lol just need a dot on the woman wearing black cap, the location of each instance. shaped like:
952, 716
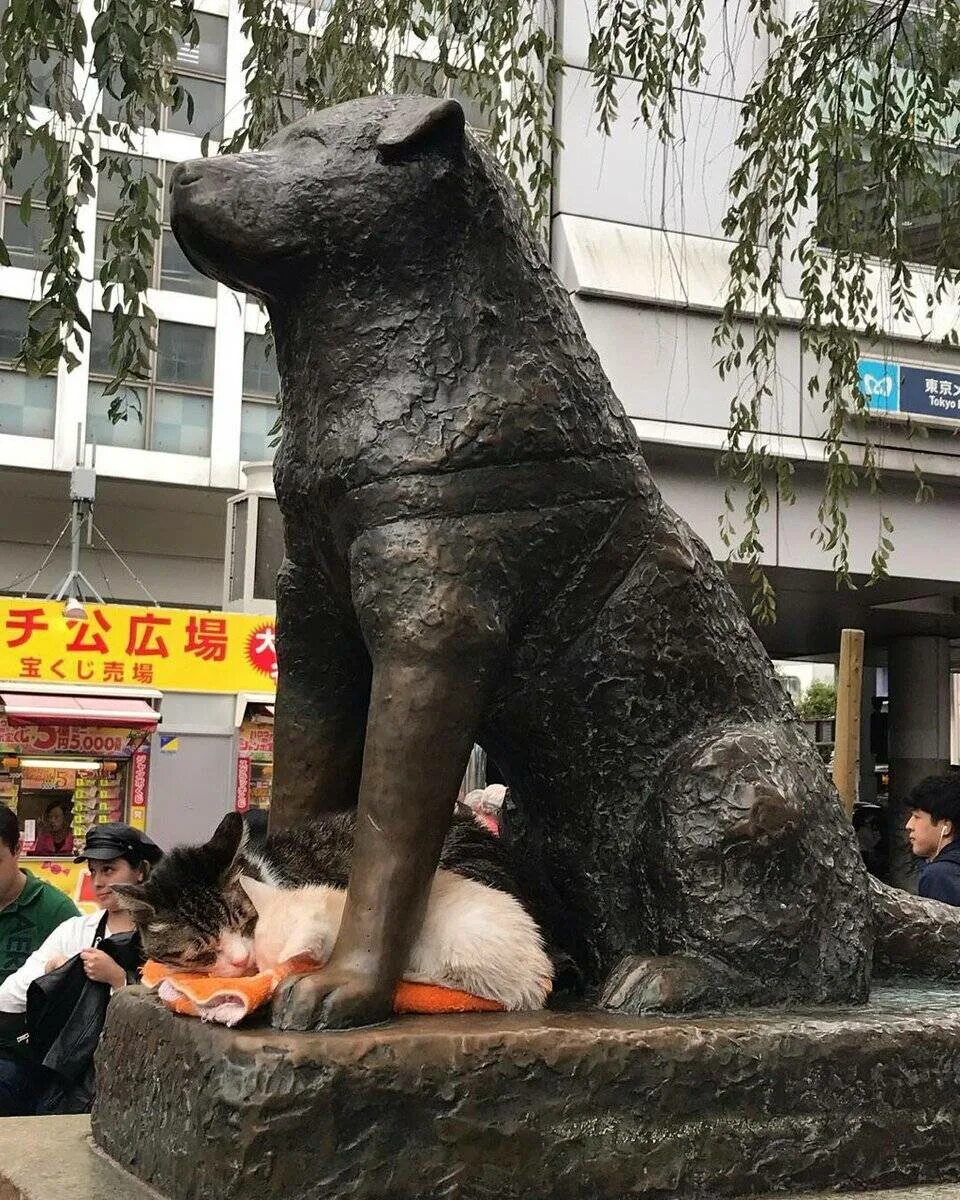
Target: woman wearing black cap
114, 853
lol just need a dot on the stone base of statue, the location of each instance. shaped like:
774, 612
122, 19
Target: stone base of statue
551, 1106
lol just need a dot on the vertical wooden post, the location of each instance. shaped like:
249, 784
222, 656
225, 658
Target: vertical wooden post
846, 752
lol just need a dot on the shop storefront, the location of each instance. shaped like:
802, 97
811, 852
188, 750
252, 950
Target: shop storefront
78, 742
254, 752
68, 763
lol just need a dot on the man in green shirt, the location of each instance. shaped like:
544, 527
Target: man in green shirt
30, 909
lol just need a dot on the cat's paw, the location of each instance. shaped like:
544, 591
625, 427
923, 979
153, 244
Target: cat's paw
331, 1000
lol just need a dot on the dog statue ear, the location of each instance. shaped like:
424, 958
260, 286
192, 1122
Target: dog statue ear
423, 126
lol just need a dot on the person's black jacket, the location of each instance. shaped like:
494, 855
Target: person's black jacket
940, 878
65, 1016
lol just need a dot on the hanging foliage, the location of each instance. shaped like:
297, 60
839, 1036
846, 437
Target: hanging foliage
844, 177
498, 58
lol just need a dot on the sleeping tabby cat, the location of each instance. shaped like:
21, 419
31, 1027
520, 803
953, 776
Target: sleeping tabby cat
193, 914
473, 938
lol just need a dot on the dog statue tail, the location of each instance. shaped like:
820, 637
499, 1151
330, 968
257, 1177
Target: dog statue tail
912, 936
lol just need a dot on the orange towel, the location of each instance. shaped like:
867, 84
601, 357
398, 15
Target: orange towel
228, 1001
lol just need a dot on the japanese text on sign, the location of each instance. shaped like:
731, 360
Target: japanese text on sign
167, 648
68, 739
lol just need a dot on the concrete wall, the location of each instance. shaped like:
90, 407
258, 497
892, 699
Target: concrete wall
923, 533
661, 363
637, 240
171, 538
193, 786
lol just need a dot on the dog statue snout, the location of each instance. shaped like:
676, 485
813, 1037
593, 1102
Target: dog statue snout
186, 173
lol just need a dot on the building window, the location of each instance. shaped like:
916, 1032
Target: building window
176, 273
202, 73
427, 78
925, 210
24, 237
27, 406
202, 69
170, 269
917, 40
258, 409
291, 98
928, 210
47, 72
302, 91
171, 410
864, 209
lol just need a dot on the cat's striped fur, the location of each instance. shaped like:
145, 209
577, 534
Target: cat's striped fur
193, 915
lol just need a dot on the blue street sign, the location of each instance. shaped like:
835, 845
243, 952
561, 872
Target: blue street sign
890, 387
927, 392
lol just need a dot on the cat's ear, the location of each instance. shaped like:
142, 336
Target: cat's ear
258, 892
228, 842
133, 900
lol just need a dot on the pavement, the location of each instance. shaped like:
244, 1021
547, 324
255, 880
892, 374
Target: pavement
52, 1158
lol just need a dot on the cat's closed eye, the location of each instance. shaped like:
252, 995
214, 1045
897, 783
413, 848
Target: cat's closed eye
201, 958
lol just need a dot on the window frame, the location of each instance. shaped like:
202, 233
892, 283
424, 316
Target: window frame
900, 205
11, 197
916, 10
913, 11
161, 168
258, 399
7, 368
184, 74
152, 388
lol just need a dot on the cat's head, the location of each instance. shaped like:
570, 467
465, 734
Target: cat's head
293, 922
192, 913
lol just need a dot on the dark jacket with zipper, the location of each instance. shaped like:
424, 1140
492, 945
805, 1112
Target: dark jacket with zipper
940, 878
65, 1016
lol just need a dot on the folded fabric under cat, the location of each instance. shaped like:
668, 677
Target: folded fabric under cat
229, 1001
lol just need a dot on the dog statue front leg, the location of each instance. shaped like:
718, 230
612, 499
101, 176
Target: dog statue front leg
322, 700
420, 729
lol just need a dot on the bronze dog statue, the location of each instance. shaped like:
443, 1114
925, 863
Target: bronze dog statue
476, 551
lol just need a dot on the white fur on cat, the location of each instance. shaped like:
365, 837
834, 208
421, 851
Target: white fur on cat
474, 938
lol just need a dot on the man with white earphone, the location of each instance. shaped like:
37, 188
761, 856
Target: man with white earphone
933, 830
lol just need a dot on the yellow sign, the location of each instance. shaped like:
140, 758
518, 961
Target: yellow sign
71, 878
173, 649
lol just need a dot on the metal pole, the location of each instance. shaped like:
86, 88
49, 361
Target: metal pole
70, 582
75, 522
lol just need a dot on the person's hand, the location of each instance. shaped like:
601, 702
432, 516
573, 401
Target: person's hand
57, 961
101, 968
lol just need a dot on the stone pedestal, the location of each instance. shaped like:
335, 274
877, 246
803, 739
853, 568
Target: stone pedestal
546, 1106
52, 1158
